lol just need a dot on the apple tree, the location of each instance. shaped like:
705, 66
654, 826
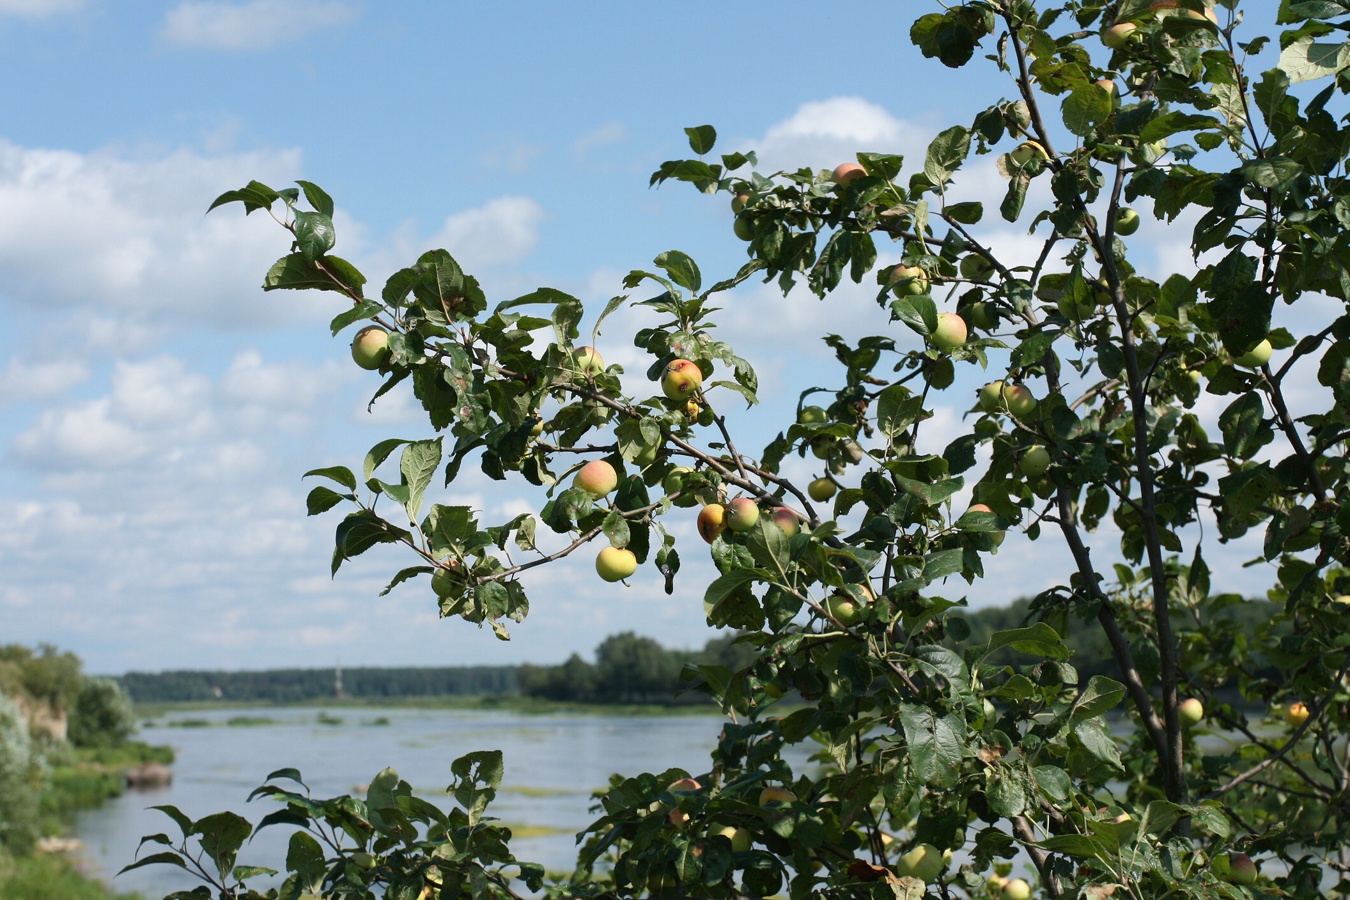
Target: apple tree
1172, 414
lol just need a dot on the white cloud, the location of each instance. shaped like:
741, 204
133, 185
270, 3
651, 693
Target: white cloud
500, 231
252, 25
824, 133
39, 9
612, 132
25, 381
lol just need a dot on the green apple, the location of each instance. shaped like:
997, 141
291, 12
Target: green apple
991, 396
588, 361
1296, 713
821, 489
1127, 221
712, 521
370, 347
738, 202
843, 608
771, 795
681, 380
984, 315
646, 455
1035, 460
1191, 711
1026, 151
742, 514
1016, 889
820, 446
675, 482
744, 228
1119, 35
445, 581
1236, 868
908, 280
924, 862
596, 478
976, 267
845, 174
739, 837
950, 333
812, 415
1256, 357
615, 563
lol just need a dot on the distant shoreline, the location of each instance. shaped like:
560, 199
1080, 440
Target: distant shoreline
516, 704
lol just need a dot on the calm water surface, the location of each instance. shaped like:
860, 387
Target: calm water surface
553, 763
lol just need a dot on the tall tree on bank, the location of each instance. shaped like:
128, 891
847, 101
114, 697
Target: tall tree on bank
1094, 416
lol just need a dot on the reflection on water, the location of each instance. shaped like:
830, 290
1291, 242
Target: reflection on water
553, 763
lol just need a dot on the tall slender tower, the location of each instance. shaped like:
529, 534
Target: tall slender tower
337, 681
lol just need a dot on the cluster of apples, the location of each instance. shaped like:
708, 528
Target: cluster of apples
1123, 34
1010, 888
741, 515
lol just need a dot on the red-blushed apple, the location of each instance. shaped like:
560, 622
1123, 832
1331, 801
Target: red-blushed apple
1127, 221
1296, 713
684, 786
910, 280
1019, 400
845, 174
951, 331
1026, 151
1016, 889
991, 397
742, 514
615, 563
739, 837
1256, 357
738, 202
370, 347
1236, 868
712, 521
984, 508
1119, 35
1035, 460
924, 862
773, 794
821, 489
1191, 711
681, 380
588, 361
786, 520
596, 478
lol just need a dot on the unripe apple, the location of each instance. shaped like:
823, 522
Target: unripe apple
1016, 889
675, 481
984, 508
588, 361
845, 173
908, 280
786, 520
370, 347
445, 581
1026, 151
596, 478
984, 315
1296, 714
738, 202
843, 608
1343, 599
1035, 460
712, 521
821, 489
1127, 221
646, 456
681, 379
812, 415
1019, 400
739, 837
615, 563
742, 514
1118, 36
996, 882
924, 862
1256, 357
744, 228
820, 446
991, 396
1191, 711
950, 333
976, 267
1238, 868
772, 795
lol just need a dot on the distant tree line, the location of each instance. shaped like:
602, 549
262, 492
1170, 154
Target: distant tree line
304, 685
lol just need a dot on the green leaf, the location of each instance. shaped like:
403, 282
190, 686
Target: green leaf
1011, 207
341, 474
701, 138
1100, 695
946, 153
322, 499
1085, 109
363, 310
1307, 59
935, 744
254, 195
478, 775
1037, 640
1244, 427
314, 234
681, 268
221, 836
296, 273
1173, 122
1005, 792
317, 197
379, 453
419, 462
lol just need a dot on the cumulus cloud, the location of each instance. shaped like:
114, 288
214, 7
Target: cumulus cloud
253, 25
25, 381
823, 133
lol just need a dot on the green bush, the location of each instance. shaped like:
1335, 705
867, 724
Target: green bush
21, 777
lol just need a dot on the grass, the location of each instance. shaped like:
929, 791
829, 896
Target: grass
84, 777
46, 875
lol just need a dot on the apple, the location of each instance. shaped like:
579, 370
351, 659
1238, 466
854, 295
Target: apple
1237, 868
984, 508
597, 478
1107, 85
821, 489
1019, 400
681, 379
820, 446
1296, 714
996, 882
739, 837
771, 795
1035, 460
1016, 889
674, 482
445, 581
991, 397
845, 173
1026, 151
738, 202
742, 514
646, 456
976, 267
1118, 36
712, 521
786, 520
950, 333
911, 280
588, 361
370, 347
1191, 710
1127, 221
684, 786
984, 315
812, 415
924, 862
615, 563
843, 609
744, 228
1256, 357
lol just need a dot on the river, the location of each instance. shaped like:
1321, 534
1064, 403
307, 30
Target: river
553, 763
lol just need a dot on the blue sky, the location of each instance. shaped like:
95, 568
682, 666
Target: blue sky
157, 409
